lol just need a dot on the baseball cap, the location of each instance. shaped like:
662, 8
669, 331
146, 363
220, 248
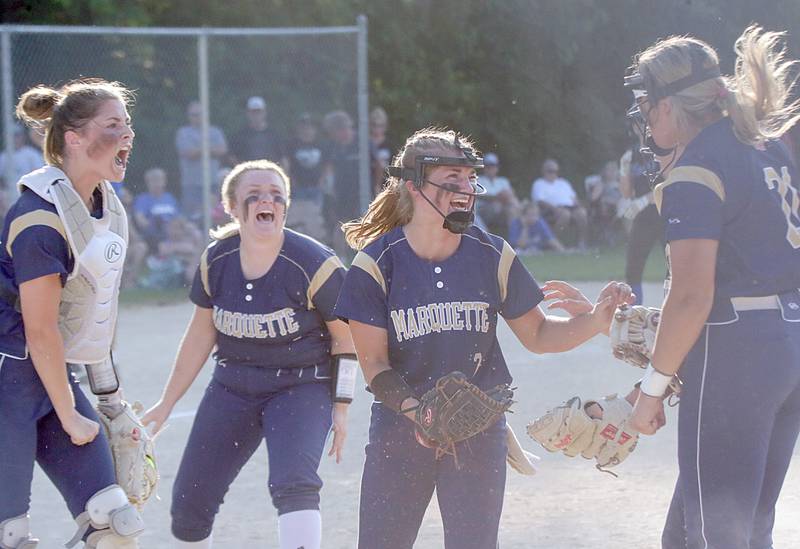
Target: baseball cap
256, 103
490, 159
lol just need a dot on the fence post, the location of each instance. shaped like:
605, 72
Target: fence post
8, 111
365, 180
202, 64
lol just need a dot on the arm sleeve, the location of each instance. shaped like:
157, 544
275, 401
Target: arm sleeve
325, 298
198, 293
691, 210
535, 193
39, 251
523, 292
362, 299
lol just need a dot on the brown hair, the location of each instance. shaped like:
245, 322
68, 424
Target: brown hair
756, 97
67, 108
231, 182
393, 207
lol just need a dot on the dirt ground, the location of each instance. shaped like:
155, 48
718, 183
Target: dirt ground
567, 505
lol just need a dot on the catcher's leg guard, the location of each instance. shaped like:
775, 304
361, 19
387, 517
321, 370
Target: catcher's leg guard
116, 521
15, 534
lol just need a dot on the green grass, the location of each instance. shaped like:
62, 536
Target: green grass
595, 266
135, 297
591, 267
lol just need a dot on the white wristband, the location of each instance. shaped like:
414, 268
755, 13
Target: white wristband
654, 383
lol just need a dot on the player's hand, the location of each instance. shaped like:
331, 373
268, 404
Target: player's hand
339, 429
648, 414
611, 296
567, 298
155, 417
81, 430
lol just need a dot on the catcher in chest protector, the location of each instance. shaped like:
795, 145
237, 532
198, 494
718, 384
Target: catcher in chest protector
64, 244
422, 299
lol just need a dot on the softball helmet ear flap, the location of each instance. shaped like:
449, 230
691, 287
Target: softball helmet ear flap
405, 174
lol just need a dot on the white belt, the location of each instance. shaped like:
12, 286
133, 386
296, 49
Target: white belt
756, 303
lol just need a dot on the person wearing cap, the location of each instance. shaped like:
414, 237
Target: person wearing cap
308, 159
257, 141
499, 205
24, 159
189, 143
730, 322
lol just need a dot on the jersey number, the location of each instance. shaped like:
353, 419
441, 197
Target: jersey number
790, 201
477, 358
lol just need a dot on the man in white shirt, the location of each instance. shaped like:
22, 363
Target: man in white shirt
558, 202
499, 205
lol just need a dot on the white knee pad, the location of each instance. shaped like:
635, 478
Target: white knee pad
116, 521
15, 534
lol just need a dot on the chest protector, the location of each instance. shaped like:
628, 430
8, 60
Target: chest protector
89, 300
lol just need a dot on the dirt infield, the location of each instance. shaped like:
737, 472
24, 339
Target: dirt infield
568, 505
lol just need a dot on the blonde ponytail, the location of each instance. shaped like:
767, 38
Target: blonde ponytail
760, 88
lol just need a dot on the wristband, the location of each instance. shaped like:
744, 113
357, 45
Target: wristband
345, 372
391, 389
654, 383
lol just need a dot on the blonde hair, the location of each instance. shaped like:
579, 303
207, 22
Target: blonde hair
756, 97
67, 108
393, 206
231, 182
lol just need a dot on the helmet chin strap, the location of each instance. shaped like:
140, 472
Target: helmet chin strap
457, 222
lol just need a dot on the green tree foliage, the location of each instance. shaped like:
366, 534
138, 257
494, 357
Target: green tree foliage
528, 79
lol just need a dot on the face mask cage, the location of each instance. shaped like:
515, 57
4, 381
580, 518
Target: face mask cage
455, 222
643, 89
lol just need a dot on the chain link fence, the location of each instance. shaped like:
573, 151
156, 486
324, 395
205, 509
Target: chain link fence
296, 71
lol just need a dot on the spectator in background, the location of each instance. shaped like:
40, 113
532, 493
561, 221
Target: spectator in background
25, 159
604, 196
558, 202
499, 205
184, 242
154, 208
219, 216
342, 203
36, 139
529, 234
188, 142
257, 140
137, 248
380, 153
307, 160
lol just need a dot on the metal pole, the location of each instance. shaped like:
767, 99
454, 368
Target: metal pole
365, 181
202, 62
8, 113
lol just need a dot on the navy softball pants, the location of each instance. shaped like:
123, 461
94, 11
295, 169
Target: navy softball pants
243, 405
400, 476
31, 433
738, 423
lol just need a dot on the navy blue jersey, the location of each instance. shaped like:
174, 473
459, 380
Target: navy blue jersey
440, 316
744, 197
34, 244
278, 320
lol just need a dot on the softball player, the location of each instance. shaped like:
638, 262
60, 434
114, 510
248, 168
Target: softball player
64, 244
264, 296
422, 299
731, 318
